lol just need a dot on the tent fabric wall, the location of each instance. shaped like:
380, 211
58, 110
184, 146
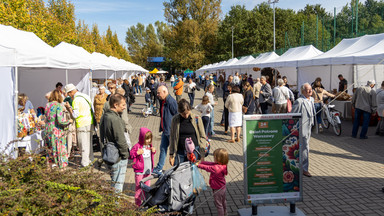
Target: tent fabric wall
7, 110
327, 73
363, 73
291, 74
37, 82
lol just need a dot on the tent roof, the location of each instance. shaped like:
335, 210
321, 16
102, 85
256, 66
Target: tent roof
228, 63
216, 66
291, 57
242, 61
264, 57
367, 49
25, 49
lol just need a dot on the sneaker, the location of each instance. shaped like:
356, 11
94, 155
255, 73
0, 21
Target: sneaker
158, 172
320, 128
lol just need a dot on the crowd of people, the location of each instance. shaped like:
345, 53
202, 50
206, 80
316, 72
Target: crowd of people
72, 117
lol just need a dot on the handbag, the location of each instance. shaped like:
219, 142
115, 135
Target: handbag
110, 151
289, 106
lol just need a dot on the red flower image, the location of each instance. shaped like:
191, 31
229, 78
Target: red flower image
293, 151
288, 177
291, 122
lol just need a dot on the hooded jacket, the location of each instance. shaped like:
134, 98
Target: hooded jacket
218, 173
179, 88
138, 160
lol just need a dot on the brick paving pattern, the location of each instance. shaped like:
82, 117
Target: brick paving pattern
348, 173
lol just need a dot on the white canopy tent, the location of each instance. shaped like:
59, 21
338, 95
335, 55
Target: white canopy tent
357, 59
225, 67
287, 63
247, 66
30, 66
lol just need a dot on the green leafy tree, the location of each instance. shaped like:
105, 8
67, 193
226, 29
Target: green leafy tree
193, 31
144, 41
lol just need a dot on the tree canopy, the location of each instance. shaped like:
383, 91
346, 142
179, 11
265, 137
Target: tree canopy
55, 22
195, 35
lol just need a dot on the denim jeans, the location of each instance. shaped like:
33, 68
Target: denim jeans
318, 114
356, 123
205, 123
118, 171
191, 98
136, 90
163, 152
139, 89
210, 126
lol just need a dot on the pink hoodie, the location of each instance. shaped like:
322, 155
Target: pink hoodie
218, 173
138, 160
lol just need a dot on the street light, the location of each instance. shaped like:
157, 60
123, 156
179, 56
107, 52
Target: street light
232, 40
274, 37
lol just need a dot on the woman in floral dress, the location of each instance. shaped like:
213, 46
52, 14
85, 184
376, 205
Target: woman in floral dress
54, 130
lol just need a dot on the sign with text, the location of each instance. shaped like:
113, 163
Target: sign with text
272, 158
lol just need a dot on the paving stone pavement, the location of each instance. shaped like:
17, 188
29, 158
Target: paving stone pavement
347, 172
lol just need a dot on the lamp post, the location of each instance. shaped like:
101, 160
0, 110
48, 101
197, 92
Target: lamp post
274, 35
232, 40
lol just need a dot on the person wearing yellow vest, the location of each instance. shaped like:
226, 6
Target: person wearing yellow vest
82, 111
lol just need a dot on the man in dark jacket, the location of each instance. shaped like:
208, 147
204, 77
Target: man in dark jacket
168, 109
112, 130
225, 95
153, 87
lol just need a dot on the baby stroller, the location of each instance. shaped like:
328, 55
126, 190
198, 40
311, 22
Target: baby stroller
172, 192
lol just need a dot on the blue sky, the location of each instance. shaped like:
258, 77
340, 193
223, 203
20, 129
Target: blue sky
121, 14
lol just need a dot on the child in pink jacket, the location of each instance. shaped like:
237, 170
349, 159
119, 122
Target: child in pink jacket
218, 170
142, 154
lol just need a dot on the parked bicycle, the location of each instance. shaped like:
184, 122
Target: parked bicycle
330, 116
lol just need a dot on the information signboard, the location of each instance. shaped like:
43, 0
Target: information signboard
272, 168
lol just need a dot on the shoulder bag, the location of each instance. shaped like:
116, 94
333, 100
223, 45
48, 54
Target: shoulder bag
110, 151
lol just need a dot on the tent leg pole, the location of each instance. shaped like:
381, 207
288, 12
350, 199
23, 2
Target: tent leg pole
66, 76
91, 85
106, 78
374, 74
330, 79
16, 90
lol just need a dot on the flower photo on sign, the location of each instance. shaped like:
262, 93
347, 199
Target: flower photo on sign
291, 154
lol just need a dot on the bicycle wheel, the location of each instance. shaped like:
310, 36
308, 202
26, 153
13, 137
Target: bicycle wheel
324, 120
155, 111
336, 126
145, 113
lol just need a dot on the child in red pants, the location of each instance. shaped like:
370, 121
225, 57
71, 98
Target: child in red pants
142, 154
218, 170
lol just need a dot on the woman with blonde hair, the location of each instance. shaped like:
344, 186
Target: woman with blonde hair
234, 105
98, 103
25, 105
205, 109
54, 129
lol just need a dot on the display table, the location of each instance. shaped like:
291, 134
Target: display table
33, 143
344, 107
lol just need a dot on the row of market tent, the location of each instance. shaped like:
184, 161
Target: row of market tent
357, 59
29, 65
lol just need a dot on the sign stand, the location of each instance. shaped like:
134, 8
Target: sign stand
272, 164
